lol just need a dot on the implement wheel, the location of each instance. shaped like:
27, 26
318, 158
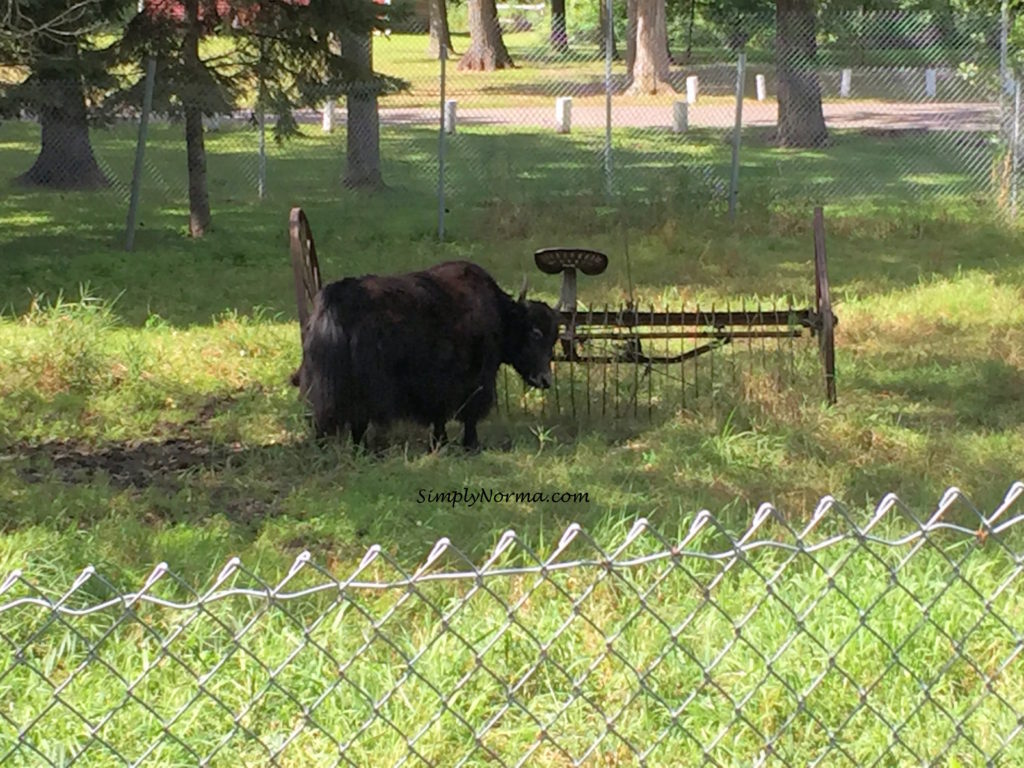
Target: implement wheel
305, 266
823, 307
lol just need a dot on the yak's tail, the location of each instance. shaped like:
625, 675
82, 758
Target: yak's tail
326, 365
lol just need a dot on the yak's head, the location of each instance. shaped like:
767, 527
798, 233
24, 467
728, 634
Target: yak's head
533, 338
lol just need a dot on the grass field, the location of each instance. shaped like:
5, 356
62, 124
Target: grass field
146, 417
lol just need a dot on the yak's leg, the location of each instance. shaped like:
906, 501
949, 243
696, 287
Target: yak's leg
358, 433
477, 406
470, 441
439, 436
325, 426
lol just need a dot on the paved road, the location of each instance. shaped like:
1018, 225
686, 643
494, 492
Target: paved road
962, 116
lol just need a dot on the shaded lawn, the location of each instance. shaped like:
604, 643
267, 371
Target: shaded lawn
507, 193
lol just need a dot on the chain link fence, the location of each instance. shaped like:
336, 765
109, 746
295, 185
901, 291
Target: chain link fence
848, 639
918, 106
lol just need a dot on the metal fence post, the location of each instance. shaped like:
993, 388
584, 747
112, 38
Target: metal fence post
261, 182
1005, 84
734, 183
140, 150
609, 45
1015, 148
443, 55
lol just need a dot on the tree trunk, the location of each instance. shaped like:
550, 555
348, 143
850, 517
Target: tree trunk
198, 198
630, 35
801, 121
650, 70
66, 159
439, 31
559, 38
689, 30
487, 50
362, 130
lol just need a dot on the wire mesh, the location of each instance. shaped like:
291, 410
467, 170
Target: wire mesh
915, 107
847, 639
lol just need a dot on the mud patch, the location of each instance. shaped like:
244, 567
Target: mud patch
133, 463
893, 133
128, 465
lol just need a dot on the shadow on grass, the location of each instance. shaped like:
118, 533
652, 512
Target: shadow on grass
323, 497
978, 395
509, 193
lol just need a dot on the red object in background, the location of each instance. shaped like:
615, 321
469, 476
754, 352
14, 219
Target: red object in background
223, 9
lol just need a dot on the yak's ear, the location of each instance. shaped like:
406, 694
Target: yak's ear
522, 291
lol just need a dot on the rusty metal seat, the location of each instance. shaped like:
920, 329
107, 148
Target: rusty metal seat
566, 261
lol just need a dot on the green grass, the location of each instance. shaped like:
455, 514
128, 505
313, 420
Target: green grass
470, 662
192, 342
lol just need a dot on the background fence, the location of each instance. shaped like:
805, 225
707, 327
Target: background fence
851, 639
918, 107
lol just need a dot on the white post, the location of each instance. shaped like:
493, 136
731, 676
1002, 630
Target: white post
846, 83
680, 117
563, 114
328, 121
929, 83
762, 90
692, 87
450, 107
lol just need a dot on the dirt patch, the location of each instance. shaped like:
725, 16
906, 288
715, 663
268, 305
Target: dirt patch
208, 409
893, 133
132, 463
128, 465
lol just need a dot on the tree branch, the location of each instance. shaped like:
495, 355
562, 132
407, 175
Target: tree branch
17, 25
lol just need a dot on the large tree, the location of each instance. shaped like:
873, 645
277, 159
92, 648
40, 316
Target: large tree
188, 86
647, 59
52, 42
558, 36
734, 21
801, 121
439, 31
281, 50
192, 99
362, 130
487, 49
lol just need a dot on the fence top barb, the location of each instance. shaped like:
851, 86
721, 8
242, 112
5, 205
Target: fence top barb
704, 522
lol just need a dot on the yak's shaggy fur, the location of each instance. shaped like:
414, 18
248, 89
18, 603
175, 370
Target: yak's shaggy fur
423, 347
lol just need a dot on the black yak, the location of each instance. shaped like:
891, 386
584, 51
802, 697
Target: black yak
423, 347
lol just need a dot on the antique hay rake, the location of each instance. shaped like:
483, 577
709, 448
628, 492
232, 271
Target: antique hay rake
610, 360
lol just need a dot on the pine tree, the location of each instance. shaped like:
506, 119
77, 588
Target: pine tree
53, 41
